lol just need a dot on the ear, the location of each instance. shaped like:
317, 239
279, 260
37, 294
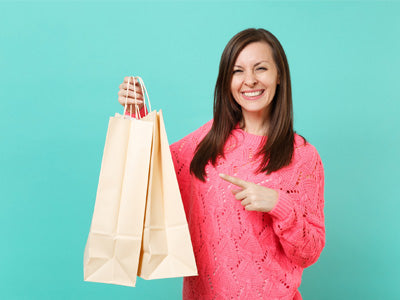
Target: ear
279, 80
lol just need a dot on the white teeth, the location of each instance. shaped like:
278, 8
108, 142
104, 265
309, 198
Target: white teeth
253, 94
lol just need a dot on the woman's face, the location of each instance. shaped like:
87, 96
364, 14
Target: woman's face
255, 77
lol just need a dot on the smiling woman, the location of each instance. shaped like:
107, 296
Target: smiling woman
271, 115
254, 81
253, 190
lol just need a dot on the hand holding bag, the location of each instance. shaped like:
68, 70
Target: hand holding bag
113, 247
137, 181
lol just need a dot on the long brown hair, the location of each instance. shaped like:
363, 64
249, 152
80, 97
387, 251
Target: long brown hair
278, 149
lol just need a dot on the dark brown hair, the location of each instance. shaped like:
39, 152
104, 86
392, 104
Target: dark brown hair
277, 151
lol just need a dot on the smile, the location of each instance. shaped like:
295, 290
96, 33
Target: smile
252, 95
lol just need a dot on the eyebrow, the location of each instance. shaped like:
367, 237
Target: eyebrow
266, 61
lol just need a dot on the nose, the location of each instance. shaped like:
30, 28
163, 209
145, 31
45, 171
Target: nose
250, 79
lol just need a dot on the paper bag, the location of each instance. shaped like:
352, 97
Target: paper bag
113, 247
139, 225
167, 249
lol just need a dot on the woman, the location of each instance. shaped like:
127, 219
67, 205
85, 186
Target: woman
252, 188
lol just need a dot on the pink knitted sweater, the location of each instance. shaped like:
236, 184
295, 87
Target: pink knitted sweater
245, 254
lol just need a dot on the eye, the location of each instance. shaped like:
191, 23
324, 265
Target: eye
262, 68
237, 71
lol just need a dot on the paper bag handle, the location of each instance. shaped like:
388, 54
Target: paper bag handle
145, 95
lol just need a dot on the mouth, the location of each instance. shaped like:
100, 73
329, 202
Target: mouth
252, 95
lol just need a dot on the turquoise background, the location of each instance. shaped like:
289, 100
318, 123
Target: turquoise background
60, 67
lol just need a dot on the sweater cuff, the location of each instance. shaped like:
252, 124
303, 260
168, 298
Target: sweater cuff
283, 208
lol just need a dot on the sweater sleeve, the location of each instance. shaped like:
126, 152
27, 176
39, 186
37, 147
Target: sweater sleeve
182, 153
298, 217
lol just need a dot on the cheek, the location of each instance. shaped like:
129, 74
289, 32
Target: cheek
235, 90
235, 85
270, 81
235, 93
271, 84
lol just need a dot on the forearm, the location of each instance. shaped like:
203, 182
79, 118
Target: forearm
298, 218
302, 237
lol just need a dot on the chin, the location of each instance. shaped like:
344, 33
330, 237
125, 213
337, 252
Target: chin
253, 108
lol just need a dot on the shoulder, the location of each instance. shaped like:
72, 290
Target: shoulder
305, 152
203, 130
200, 132
194, 138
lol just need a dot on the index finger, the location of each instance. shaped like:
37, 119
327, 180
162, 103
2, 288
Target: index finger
236, 181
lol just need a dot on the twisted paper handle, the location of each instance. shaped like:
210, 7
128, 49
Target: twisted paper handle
145, 95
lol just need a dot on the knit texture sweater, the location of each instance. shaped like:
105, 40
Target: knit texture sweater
244, 254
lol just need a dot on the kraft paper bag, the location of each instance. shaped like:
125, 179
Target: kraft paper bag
167, 249
113, 247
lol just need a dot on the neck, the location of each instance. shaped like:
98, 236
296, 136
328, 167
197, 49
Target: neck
255, 123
